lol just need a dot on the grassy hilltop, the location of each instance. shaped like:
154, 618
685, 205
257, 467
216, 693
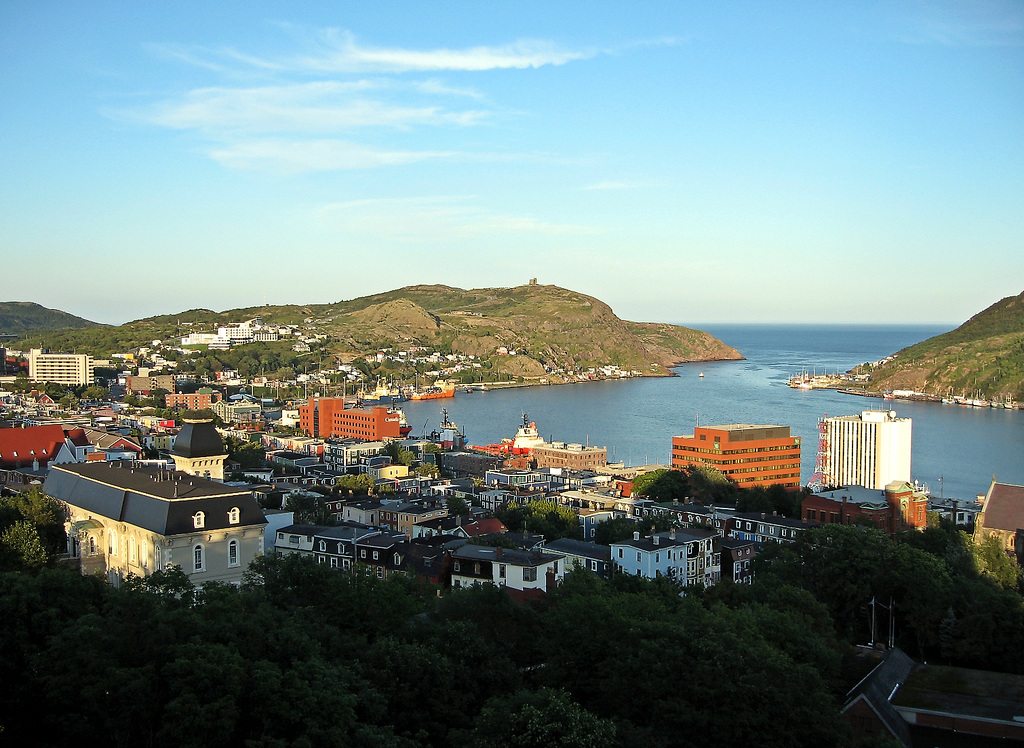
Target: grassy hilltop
985, 354
18, 317
547, 325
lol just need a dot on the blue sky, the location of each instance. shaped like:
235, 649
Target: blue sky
684, 162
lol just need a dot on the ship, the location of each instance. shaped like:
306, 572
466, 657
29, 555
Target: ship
523, 443
404, 429
434, 392
448, 435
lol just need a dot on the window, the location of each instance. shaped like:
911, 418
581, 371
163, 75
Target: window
199, 520
334, 562
320, 559
198, 559
132, 551
323, 545
380, 572
593, 565
233, 553
638, 556
501, 570
529, 574
620, 553
234, 516
112, 543
92, 545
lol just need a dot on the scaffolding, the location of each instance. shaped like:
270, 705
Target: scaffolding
822, 478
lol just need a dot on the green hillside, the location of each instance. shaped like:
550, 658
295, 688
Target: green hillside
17, 317
546, 325
984, 355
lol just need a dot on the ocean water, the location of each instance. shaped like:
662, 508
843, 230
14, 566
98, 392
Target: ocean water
956, 450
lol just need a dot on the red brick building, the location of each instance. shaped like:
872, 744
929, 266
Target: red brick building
327, 417
200, 400
748, 455
900, 507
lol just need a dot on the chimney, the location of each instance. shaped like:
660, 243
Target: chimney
497, 552
762, 515
636, 536
672, 534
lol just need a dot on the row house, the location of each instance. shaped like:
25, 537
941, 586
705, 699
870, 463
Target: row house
687, 556
528, 573
403, 516
342, 454
579, 554
736, 557
458, 526
344, 547
760, 526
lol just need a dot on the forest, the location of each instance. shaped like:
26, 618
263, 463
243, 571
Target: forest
304, 655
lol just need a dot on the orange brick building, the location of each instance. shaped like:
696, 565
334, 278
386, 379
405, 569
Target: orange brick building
748, 455
327, 417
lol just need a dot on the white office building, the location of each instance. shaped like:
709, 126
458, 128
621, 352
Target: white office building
62, 368
869, 450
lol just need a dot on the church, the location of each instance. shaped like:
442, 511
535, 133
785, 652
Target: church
128, 518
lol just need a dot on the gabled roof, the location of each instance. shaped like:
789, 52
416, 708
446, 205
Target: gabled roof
877, 687
1004, 507
19, 447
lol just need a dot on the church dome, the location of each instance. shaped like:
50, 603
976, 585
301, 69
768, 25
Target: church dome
198, 438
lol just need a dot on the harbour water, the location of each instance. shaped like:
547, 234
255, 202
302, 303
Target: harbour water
956, 450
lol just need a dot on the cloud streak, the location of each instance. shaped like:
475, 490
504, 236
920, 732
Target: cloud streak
294, 157
322, 106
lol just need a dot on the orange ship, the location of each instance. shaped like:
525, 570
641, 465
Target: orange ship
434, 392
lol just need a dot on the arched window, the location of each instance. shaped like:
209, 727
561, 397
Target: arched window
233, 553
132, 551
323, 545
234, 516
112, 543
92, 545
198, 559
199, 520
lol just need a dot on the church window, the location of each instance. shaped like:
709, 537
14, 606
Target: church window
233, 516
199, 559
233, 553
199, 520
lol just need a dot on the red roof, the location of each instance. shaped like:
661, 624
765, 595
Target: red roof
19, 447
485, 527
1004, 507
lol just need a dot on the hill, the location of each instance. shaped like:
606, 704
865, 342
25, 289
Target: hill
984, 355
17, 317
547, 326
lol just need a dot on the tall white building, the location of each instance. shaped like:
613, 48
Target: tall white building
62, 368
869, 450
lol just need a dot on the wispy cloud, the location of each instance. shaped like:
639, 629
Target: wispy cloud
437, 219
292, 157
322, 106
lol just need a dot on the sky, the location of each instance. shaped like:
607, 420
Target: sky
697, 162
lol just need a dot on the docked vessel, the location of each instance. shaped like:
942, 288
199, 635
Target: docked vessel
434, 392
523, 443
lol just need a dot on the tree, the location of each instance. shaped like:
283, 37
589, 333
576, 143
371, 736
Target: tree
546, 718
457, 506
21, 548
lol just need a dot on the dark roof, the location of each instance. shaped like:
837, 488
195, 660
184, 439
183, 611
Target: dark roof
198, 438
572, 547
774, 519
665, 539
504, 555
877, 687
1004, 507
162, 501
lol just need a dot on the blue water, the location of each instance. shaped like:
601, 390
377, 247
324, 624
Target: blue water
956, 450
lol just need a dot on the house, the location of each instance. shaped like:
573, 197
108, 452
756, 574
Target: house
126, 519
688, 556
1002, 517
529, 573
403, 516
736, 557
583, 555
761, 526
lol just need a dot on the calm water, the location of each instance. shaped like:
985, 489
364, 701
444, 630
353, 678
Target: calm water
636, 419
